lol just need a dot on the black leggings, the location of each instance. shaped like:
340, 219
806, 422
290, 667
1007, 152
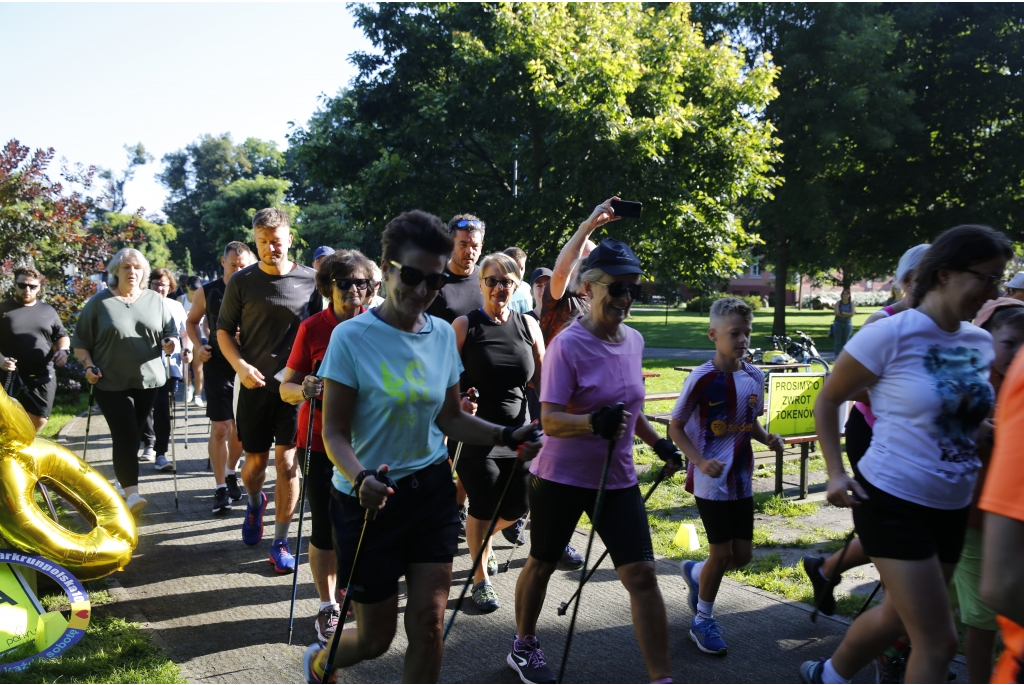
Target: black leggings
318, 492
161, 415
485, 477
125, 412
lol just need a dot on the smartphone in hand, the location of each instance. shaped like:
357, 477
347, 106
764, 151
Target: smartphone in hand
627, 209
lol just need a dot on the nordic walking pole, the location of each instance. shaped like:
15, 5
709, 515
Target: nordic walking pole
564, 606
533, 436
88, 420
503, 568
874, 592
473, 396
170, 411
302, 506
833, 583
590, 546
382, 476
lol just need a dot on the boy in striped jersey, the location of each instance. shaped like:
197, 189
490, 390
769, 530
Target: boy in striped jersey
712, 423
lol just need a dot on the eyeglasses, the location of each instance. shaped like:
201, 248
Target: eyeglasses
346, 283
412, 277
989, 280
506, 283
28, 286
471, 223
619, 288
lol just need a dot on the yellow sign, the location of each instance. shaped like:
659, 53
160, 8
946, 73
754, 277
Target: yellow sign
19, 609
791, 398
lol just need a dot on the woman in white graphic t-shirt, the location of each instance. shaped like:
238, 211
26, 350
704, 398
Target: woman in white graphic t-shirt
926, 372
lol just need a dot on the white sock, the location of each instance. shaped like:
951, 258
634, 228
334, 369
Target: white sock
327, 605
695, 571
130, 490
229, 472
705, 610
829, 675
222, 486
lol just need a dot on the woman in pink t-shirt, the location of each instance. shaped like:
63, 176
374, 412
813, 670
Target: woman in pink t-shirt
592, 365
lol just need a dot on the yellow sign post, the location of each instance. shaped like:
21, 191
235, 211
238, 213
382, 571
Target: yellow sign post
791, 398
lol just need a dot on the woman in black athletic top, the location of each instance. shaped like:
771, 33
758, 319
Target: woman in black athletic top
502, 351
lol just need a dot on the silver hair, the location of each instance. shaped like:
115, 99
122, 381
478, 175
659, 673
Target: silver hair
124, 254
505, 264
375, 273
589, 275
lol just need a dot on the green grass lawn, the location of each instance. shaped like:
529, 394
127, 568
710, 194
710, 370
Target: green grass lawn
61, 414
690, 329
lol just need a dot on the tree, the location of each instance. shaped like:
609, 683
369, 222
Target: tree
153, 239
137, 156
44, 225
228, 216
527, 115
196, 175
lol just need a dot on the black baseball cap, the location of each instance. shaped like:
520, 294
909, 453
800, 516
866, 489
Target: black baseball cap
540, 273
615, 258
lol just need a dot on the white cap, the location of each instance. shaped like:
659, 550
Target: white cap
1017, 282
909, 261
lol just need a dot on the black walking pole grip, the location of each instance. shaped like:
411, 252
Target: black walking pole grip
606, 421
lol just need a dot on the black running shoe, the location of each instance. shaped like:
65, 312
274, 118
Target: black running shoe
823, 598
327, 622
221, 502
528, 661
463, 513
234, 492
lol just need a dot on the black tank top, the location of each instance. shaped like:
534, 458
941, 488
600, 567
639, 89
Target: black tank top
498, 361
214, 294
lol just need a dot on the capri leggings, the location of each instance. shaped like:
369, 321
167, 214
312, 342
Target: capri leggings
318, 492
484, 471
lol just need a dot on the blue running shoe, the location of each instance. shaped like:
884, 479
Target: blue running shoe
515, 533
571, 559
309, 665
810, 671
685, 567
252, 525
708, 637
281, 557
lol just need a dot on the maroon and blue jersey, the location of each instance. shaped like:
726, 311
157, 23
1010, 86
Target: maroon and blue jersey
718, 411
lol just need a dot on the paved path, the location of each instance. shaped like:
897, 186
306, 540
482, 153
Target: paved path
221, 612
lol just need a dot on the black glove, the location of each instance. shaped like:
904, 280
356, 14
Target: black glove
605, 422
668, 452
509, 441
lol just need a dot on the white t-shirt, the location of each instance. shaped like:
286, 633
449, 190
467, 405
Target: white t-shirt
178, 317
932, 394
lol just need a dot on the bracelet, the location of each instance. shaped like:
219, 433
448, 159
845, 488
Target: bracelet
359, 480
506, 438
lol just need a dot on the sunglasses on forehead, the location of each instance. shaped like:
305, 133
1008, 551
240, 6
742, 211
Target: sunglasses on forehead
468, 223
412, 276
618, 289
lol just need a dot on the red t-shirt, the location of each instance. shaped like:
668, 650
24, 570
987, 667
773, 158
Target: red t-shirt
310, 346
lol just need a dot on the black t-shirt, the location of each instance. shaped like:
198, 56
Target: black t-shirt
28, 334
269, 310
498, 361
214, 294
459, 296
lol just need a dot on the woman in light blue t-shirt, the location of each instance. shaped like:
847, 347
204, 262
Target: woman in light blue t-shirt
391, 394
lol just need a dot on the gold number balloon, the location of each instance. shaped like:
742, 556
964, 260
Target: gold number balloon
26, 460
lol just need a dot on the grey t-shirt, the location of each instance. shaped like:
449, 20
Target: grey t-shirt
124, 339
269, 310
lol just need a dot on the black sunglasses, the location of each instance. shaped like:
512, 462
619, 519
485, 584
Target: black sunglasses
346, 283
619, 288
412, 277
28, 286
506, 283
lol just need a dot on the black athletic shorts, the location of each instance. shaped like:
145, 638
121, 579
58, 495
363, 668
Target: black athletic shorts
556, 509
858, 438
419, 524
484, 477
265, 419
219, 379
727, 519
318, 492
36, 399
893, 528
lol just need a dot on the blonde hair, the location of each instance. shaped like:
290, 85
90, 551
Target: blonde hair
123, 255
728, 306
505, 264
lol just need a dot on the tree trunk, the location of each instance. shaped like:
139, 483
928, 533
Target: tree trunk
846, 279
781, 278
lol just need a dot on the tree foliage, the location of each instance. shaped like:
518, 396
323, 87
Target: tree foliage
527, 115
43, 224
151, 238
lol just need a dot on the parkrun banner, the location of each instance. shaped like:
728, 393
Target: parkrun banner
791, 398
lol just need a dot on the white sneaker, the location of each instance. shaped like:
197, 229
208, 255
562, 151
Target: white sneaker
198, 401
136, 503
148, 454
189, 391
117, 488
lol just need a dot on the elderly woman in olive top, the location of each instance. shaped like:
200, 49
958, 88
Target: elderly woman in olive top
118, 339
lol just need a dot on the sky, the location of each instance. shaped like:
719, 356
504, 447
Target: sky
86, 79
